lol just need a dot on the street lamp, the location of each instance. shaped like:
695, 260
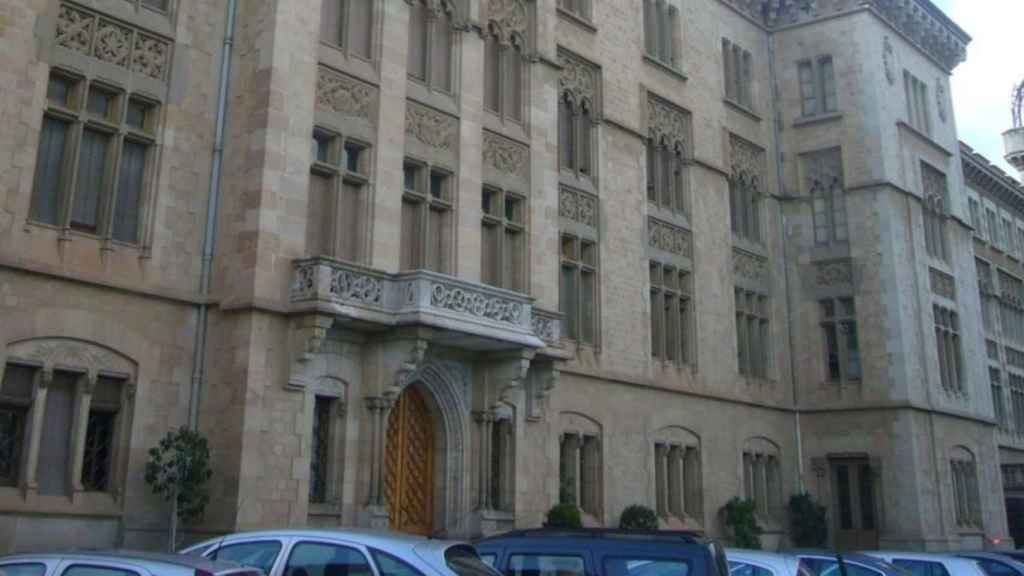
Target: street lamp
1013, 139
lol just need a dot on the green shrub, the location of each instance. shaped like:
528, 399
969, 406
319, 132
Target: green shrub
638, 517
564, 516
740, 518
807, 522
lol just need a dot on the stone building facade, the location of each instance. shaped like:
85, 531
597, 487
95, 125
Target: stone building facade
472, 258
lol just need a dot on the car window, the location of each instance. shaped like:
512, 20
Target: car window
319, 559
93, 570
744, 569
645, 567
820, 566
994, 568
464, 561
854, 569
544, 565
920, 567
261, 554
27, 569
388, 565
489, 559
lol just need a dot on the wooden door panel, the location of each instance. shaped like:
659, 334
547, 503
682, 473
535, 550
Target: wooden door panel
409, 464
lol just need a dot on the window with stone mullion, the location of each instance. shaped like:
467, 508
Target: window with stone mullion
98, 457
16, 389
504, 75
998, 401
578, 289
666, 183
427, 212
348, 25
842, 347
670, 318
575, 121
503, 241
337, 197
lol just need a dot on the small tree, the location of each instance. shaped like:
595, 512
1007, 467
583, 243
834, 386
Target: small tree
564, 516
178, 470
637, 517
807, 522
741, 518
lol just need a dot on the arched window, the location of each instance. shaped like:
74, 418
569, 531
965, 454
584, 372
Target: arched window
566, 132
430, 43
666, 181
678, 476
966, 497
580, 463
326, 399
745, 206
506, 48
762, 476
825, 186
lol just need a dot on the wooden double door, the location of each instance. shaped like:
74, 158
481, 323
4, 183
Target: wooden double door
855, 504
409, 464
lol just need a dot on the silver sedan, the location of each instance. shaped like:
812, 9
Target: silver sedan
344, 553
118, 563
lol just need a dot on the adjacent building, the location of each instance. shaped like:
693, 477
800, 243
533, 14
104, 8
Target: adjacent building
437, 265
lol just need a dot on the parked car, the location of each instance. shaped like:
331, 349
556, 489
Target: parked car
344, 553
995, 563
601, 552
919, 564
118, 563
806, 563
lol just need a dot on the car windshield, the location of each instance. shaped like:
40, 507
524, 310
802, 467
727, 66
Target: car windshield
464, 561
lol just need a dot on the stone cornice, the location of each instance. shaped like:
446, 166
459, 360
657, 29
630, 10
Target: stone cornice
920, 21
982, 174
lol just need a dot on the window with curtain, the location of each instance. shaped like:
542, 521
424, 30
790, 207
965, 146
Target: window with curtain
661, 32
338, 196
106, 137
431, 43
348, 25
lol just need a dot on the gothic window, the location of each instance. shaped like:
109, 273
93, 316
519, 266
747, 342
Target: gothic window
745, 190
506, 54
993, 228
15, 400
427, 214
575, 136
918, 110
935, 215
678, 478
503, 239
824, 177
1010, 237
947, 341
338, 185
661, 32
578, 8
1017, 401
93, 163
671, 323
320, 453
1011, 307
666, 175
738, 69
580, 465
987, 295
842, 347
502, 463
431, 43
817, 86
998, 401
578, 290
752, 335
966, 496
100, 433
348, 25
762, 477
976, 221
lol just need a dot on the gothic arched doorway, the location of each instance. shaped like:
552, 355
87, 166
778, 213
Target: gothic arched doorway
409, 464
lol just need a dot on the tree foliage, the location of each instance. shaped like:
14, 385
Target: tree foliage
179, 466
807, 522
564, 516
638, 517
740, 516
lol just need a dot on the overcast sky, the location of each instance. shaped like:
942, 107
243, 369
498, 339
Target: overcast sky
982, 85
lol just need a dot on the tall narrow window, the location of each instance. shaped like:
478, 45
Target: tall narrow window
15, 399
998, 401
918, 111
762, 476
678, 487
752, 343
502, 463
348, 24
827, 82
427, 209
728, 65
817, 86
580, 471
419, 37
115, 130
430, 43
808, 89
98, 458
578, 293
505, 69
55, 453
667, 178
671, 326
503, 239
947, 341
967, 498
842, 347
824, 180
319, 457
575, 130
337, 197
935, 215
661, 21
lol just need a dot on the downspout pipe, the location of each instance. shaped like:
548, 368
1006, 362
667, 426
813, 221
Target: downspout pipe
777, 135
210, 233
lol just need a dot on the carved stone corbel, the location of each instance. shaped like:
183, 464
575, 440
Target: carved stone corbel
308, 334
544, 379
510, 376
407, 371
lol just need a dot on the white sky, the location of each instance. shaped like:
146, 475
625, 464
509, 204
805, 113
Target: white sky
982, 85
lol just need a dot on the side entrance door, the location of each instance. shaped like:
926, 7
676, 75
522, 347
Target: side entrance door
854, 504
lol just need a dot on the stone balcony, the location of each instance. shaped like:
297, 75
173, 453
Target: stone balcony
465, 314
1013, 143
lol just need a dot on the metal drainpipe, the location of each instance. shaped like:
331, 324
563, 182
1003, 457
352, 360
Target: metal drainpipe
776, 116
210, 234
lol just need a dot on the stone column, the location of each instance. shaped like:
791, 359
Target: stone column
485, 420
79, 428
380, 407
36, 414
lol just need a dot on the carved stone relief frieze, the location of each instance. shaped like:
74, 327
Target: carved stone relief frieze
577, 206
666, 121
345, 95
431, 127
822, 170
579, 78
746, 158
750, 266
108, 41
507, 18
506, 156
71, 353
889, 61
836, 273
670, 238
466, 301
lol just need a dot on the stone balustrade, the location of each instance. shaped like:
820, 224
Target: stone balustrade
495, 316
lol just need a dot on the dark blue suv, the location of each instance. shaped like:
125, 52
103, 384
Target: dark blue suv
603, 553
